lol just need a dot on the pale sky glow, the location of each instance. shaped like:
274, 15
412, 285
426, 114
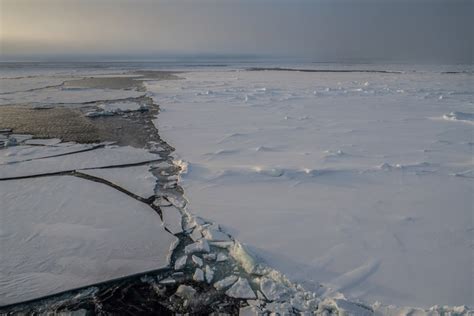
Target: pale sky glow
399, 30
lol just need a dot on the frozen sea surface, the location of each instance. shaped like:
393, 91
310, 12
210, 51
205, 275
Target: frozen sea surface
361, 181
60, 233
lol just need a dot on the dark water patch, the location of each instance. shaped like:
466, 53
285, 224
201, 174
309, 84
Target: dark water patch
135, 129
58, 122
122, 83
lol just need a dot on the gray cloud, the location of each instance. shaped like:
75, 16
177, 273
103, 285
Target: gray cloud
323, 30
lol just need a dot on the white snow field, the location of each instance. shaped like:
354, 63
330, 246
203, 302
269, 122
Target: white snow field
360, 181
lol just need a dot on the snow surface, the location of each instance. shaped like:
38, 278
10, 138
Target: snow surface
15, 154
100, 157
53, 228
137, 179
340, 178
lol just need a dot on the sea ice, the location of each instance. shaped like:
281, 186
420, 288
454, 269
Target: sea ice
199, 246
215, 235
225, 283
198, 261
337, 209
185, 291
180, 262
136, 179
73, 220
271, 289
209, 274
25, 152
221, 257
97, 158
198, 275
172, 219
241, 289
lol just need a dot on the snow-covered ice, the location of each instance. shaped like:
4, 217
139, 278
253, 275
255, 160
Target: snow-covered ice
27, 152
197, 260
197, 247
241, 289
320, 174
136, 179
225, 283
289, 163
180, 262
53, 228
172, 219
97, 158
198, 275
209, 274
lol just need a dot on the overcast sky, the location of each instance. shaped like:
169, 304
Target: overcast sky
321, 30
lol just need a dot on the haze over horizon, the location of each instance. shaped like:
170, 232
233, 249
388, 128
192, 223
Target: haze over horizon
321, 30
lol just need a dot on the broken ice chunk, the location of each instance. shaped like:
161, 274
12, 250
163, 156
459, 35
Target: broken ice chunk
180, 263
185, 291
195, 221
249, 311
282, 308
209, 274
241, 289
161, 202
210, 256
226, 282
196, 234
198, 275
222, 244
221, 257
172, 219
176, 200
168, 281
216, 235
198, 261
271, 289
199, 246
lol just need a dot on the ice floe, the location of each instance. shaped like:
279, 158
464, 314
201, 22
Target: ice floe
172, 219
225, 283
241, 289
136, 179
21, 153
63, 223
197, 247
101, 157
198, 275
